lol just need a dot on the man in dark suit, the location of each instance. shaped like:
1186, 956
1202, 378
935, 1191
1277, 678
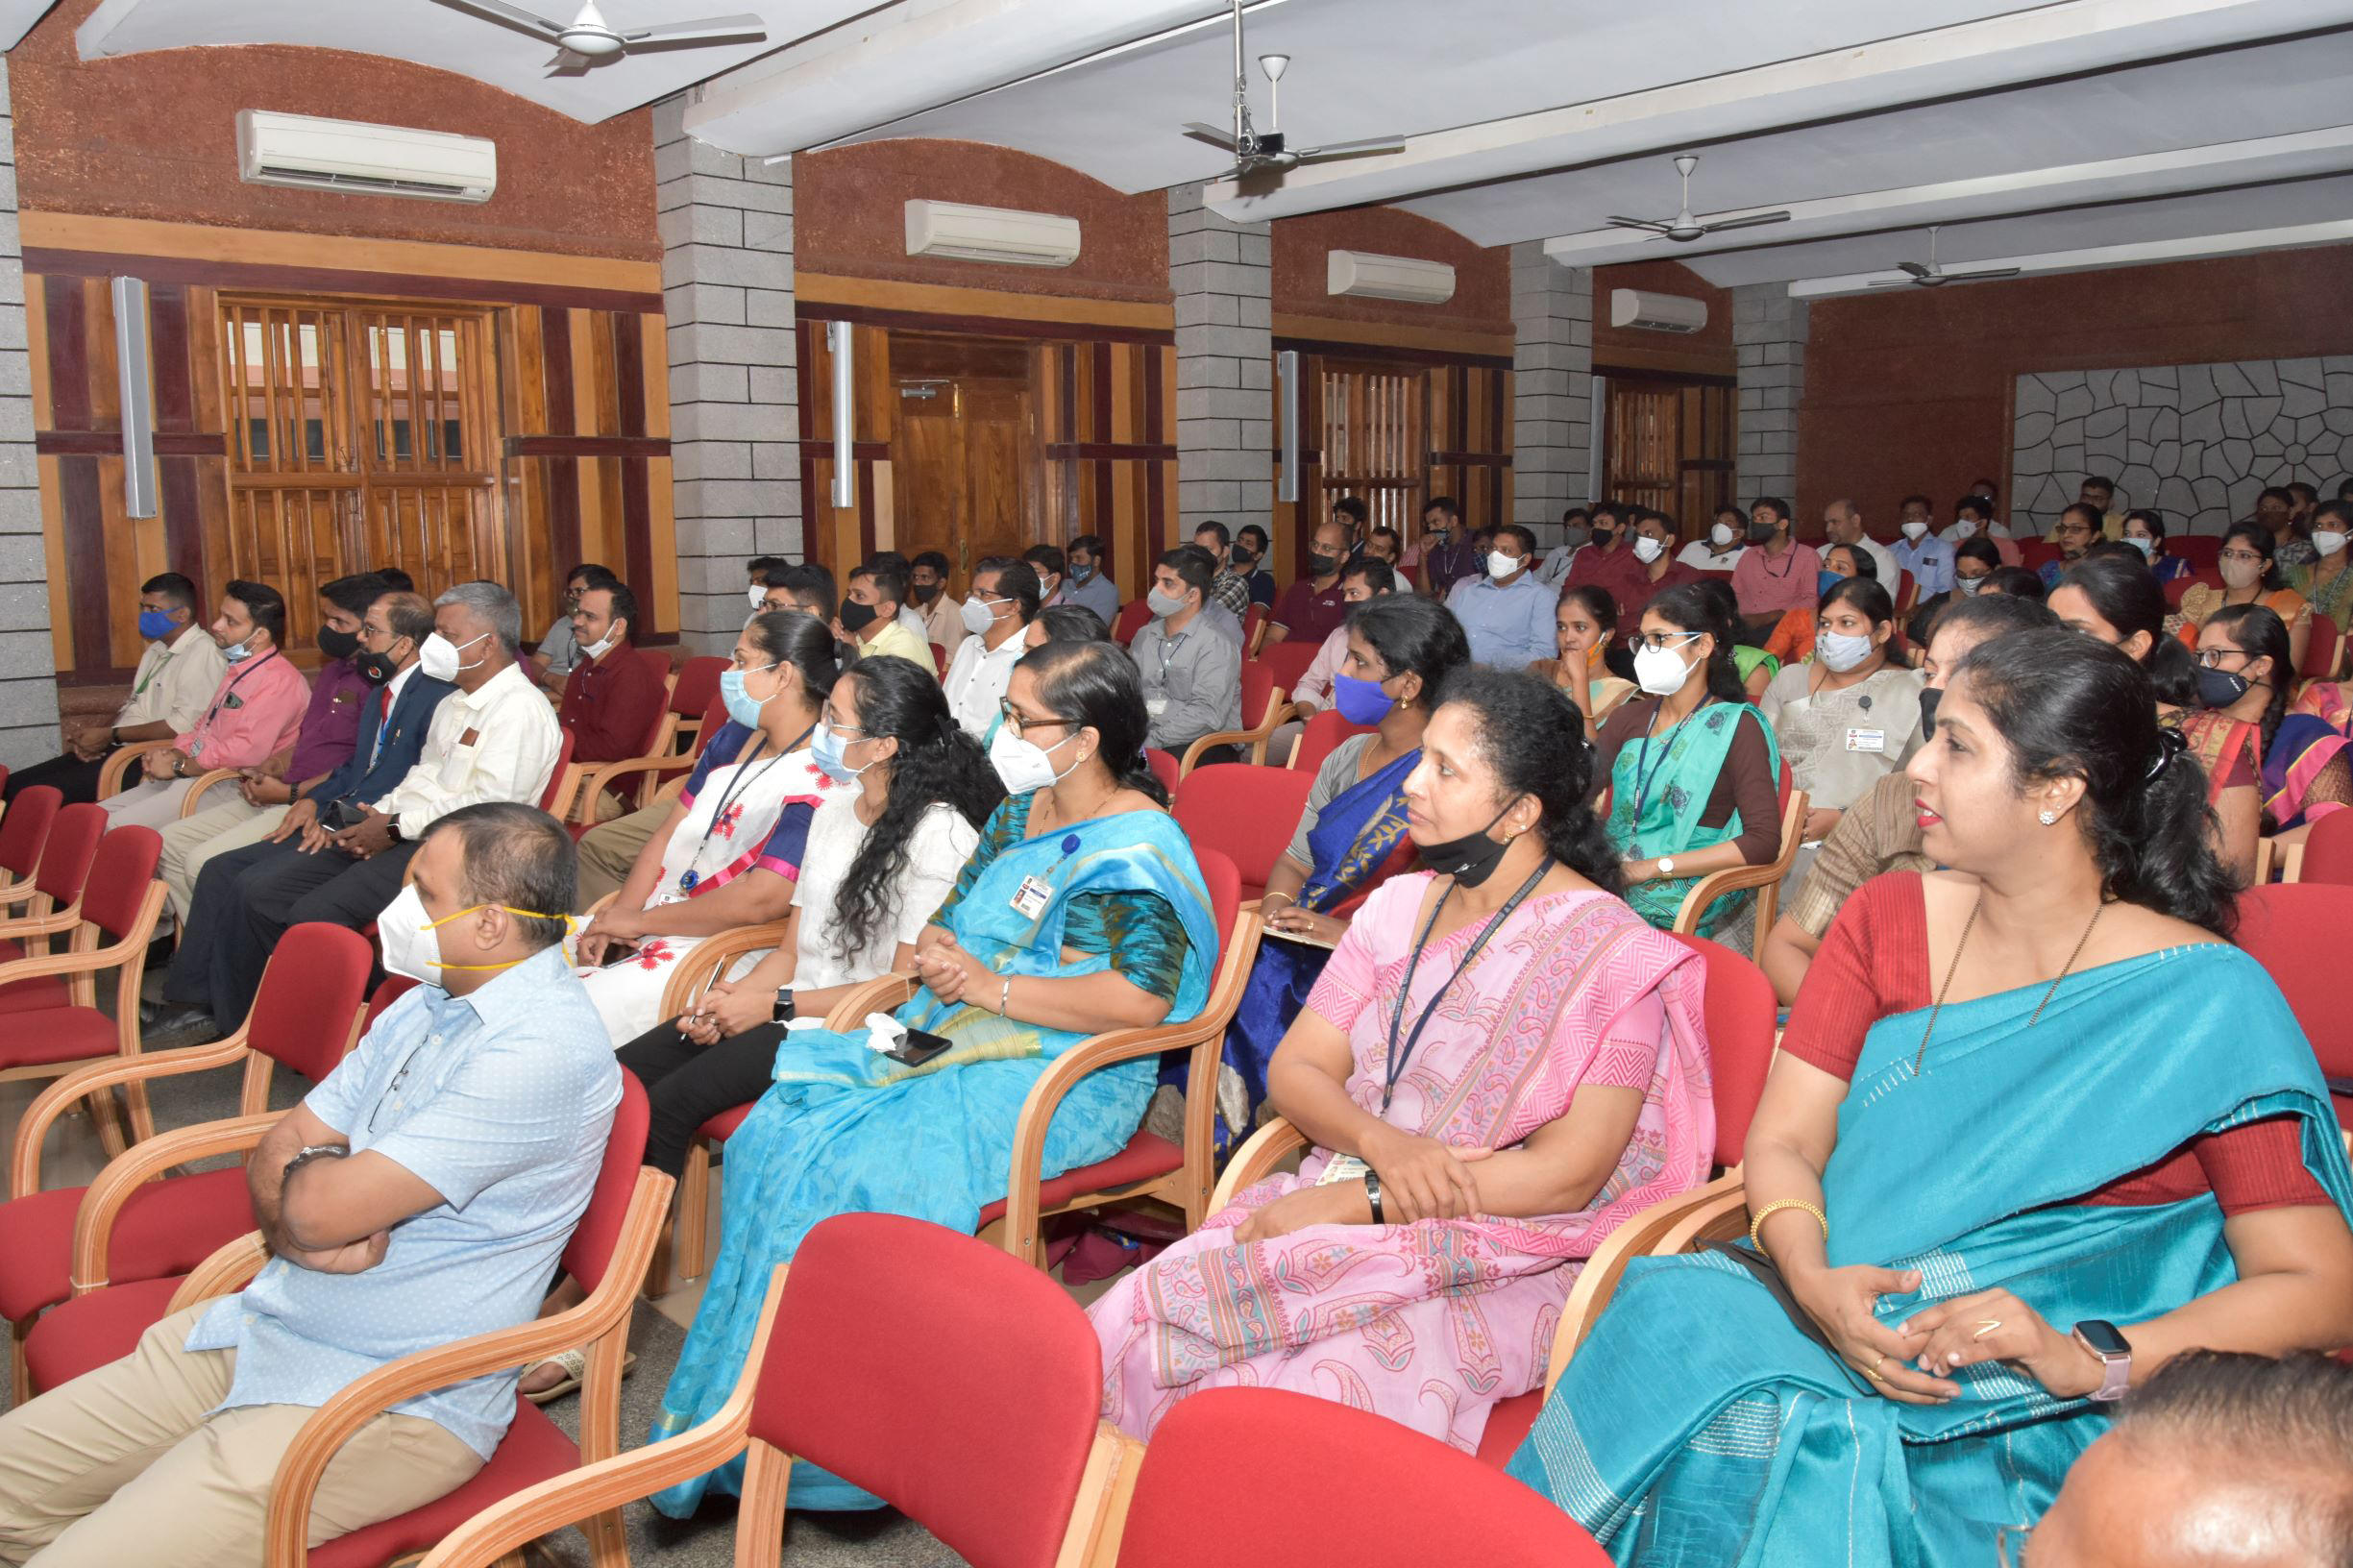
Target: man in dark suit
392, 727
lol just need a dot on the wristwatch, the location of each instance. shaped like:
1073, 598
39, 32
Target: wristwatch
784, 1006
2115, 1353
1666, 865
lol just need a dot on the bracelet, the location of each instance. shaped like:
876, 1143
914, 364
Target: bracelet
1004, 997
1775, 1206
1372, 1191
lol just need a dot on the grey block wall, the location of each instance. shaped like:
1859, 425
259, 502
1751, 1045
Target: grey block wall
1769, 332
726, 226
1552, 373
1222, 276
28, 659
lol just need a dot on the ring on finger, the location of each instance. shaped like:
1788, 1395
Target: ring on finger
1986, 1326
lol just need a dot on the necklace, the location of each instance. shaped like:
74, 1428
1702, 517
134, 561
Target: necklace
1953, 968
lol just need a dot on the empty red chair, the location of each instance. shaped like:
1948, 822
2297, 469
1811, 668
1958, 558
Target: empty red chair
982, 1427
2293, 929
2328, 850
1293, 1479
1321, 738
939, 660
1288, 660
127, 1228
53, 906
1254, 629
2320, 653
1132, 617
1164, 768
1246, 813
2203, 551
2036, 554
24, 828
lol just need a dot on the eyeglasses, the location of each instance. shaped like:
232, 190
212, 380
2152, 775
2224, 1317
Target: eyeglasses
2211, 657
2011, 1542
1019, 724
1641, 640
2240, 556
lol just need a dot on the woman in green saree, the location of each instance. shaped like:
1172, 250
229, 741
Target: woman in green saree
1694, 770
2034, 1129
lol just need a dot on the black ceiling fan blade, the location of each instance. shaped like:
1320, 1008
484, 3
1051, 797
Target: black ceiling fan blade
1990, 272
1211, 134
1893, 283
1651, 225
1915, 269
1718, 226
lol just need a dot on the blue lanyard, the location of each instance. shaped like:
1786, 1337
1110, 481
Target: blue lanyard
1645, 774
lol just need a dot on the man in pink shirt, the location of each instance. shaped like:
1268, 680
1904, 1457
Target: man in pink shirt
1778, 574
254, 714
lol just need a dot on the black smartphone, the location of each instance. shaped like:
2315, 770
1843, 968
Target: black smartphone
918, 1048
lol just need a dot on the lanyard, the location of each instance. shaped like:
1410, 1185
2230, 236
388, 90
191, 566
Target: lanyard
235, 680
1646, 770
736, 786
1396, 1062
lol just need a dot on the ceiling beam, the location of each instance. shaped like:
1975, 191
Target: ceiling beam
2095, 257
2028, 45
2255, 160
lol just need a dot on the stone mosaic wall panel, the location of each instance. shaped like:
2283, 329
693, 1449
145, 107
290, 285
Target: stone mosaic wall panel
2197, 442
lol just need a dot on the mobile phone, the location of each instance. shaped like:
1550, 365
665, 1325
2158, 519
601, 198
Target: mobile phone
918, 1047
620, 954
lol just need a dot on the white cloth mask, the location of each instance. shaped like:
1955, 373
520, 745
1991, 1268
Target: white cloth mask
1914, 529
2327, 541
2240, 573
1965, 527
1722, 536
1661, 671
1647, 549
978, 617
1841, 652
1500, 565
757, 594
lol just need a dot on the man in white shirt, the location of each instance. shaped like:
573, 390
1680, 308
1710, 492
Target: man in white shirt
494, 738
1575, 532
173, 685
927, 589
1843, 525
998, 611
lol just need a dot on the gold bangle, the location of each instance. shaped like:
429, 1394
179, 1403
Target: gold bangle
1775, 1206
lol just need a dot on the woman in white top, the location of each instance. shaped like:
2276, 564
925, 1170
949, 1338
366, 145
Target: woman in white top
1726, 543
883, 854
733, 848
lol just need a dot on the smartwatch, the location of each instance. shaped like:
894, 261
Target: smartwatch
783, 1013
2115, 1353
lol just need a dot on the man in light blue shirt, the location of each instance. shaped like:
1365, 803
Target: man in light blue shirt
421, 1194
1087, 586
1920, 553
1508, 610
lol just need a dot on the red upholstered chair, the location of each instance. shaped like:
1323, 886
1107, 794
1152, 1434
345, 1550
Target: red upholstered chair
1254, 632
563, 782
1287, 661
2328, 851
24, 828
52, 904
654, 772
2203, 551
939, 660
607, 1254
1302, 1480
1262, 712
2322, 654
983, 1427
2036, 554
1321, 738
1907, 591
1164, 768
1247, 814
1132, 617
128, 1227
2292, 930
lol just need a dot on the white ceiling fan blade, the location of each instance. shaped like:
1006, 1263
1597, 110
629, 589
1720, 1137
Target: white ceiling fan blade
513, 16
1893, 283
1990, 272
568, 62
1653, 225
1363, 147
1718, 226
1211, 134
706, 30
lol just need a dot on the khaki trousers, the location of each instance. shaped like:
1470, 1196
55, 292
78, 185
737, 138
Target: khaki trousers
224, 825
124, 1465
609, 850
149, 802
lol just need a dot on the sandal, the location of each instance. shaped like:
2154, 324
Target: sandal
575, 1363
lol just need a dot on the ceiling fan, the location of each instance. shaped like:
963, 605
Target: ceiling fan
1262, 152
589, 39
1932, 276
1683, 228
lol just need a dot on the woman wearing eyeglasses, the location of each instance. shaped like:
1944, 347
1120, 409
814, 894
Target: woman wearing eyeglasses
2250, 575
1693, 766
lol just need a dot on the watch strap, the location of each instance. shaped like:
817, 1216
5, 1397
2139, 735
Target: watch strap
784, 1010
2115, 1370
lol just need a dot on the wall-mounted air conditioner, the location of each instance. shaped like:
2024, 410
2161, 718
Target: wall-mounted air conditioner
315, 154
991, 233
1655, 312
1362, 275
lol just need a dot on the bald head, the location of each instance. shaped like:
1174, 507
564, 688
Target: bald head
1842, 522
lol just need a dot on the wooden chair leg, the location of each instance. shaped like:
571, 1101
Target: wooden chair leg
692, 1248
20, 1374
109, 1124
143, 1117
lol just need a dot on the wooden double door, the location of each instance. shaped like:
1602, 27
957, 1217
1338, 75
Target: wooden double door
1668, 445
964, 448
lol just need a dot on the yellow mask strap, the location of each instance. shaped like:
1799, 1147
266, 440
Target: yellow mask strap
524, 914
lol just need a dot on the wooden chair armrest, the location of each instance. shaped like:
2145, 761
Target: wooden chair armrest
56, 922
1722, 1217
192, 802
19, 890
1715, 884
592, 1488
884, 993
598, 777
1278, 712
127, 1172
229, 1269
1640, 1236
1256, 1160
331, 1425
706, 961
110, 775
24, 1168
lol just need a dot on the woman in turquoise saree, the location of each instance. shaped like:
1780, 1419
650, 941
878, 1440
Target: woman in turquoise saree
1081, 911
1694, 770
1400, 650
2033, 1131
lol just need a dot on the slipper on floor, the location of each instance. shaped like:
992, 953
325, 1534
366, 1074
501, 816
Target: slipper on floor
575, 1363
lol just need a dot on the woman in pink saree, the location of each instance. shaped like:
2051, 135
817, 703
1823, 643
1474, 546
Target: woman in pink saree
1500, 1065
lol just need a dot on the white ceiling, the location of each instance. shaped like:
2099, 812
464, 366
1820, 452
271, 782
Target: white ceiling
2046, 130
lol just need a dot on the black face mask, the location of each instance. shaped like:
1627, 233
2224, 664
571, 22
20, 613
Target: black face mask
856, 617
1243, 560
1762, 533
924, 592
1470, 859
1929, 697
2220, 688
377, 669
338, 644
1324, 565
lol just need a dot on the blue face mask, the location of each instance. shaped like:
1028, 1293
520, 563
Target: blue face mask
831, 753
1825, 580
238, 653
741, 706
1359, 701
156, 625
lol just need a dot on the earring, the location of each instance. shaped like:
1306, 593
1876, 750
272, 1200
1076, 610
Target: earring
2046, 816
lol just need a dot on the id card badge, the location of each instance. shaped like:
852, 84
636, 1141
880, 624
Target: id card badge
1345, 1167
1030, 899
1867, 740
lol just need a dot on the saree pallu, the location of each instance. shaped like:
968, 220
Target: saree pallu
1698, 1425
2216, 741
1688, 761
1430, 1323
2307, 741
1356, 833
846, 1130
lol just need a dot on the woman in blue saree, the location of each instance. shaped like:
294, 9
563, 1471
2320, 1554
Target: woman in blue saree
1400, 649
2033, 1131
1081, 911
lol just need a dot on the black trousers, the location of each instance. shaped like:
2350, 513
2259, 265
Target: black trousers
246, 898
68, 775
687, 1085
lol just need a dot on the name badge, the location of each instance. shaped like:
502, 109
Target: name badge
1867, 740
196, 748
1030, 899
1345, 1167
1156, 706
233, 701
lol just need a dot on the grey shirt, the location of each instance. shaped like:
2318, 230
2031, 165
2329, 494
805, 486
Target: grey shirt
1097, 593
562, 648
1192, 682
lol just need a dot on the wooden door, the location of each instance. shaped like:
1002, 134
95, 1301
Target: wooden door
1670, 446
963, 451
1000, 474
